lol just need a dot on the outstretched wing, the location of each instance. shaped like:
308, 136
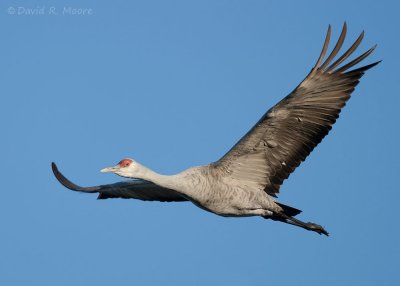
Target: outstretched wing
290, 130
135, 189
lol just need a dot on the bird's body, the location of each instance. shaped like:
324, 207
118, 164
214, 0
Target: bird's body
246, 180
210, 190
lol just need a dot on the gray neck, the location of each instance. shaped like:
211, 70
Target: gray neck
169, 182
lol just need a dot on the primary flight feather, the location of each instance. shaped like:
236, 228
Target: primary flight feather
246, 180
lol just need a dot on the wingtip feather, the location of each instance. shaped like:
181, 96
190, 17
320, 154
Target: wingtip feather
337, 47
68, 184
324, 47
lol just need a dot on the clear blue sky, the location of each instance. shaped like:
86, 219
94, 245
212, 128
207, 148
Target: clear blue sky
175, 84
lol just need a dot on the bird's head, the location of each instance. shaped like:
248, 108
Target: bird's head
125, 168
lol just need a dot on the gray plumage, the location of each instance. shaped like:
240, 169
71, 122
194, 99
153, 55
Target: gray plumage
133, 189
245, 180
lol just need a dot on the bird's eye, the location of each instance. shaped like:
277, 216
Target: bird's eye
125, 163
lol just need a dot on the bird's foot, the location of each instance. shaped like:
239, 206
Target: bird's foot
317, 228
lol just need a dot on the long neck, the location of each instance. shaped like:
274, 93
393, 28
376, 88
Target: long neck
169, 182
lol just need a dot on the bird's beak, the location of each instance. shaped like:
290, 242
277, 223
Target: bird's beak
110, 169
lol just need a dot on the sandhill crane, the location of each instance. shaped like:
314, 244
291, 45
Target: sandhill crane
247, 179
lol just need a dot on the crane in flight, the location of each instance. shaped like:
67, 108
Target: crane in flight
247, 179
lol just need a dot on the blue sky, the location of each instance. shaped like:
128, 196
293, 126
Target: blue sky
175, 84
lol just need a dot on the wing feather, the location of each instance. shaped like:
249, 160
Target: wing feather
134, 189
290, 130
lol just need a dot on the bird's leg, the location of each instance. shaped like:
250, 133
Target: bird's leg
306, 225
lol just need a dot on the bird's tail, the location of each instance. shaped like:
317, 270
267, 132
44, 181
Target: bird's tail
289, 211
287, 216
